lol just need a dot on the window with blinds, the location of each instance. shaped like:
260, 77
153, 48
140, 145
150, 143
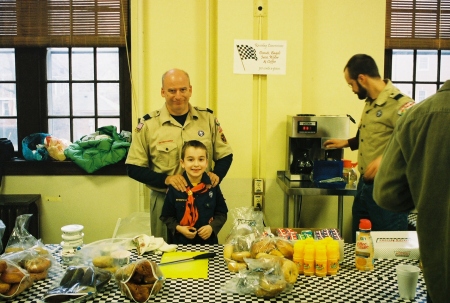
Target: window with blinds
63, 22
63, 71
417, 56
418, 24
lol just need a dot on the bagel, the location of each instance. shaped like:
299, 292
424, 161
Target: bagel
38, 276
285, 247
37, 265
227, 251
290, 271
236, 266
265, 245
239, 256
270, 289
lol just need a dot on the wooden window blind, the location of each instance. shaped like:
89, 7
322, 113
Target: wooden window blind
61, 23
417, 24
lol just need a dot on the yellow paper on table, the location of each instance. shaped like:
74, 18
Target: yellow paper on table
194, 269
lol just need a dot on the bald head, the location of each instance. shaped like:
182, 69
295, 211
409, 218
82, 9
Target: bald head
174, 72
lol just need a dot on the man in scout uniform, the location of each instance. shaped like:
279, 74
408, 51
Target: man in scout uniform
384, 104
154, 155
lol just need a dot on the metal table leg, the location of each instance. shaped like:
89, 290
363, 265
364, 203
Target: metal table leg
340, 213
297, 209
286, 210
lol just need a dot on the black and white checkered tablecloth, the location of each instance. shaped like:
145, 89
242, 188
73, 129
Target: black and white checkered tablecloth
348, 286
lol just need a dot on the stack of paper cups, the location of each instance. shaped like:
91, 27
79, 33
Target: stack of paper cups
72, 241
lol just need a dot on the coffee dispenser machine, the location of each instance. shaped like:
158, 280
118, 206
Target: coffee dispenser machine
305, 135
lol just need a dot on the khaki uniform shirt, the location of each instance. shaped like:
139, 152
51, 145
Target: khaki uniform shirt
157, 144
378, 121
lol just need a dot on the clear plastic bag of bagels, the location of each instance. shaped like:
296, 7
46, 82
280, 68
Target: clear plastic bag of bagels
263, 278
275, 246
140, 280
14, 280
248, 225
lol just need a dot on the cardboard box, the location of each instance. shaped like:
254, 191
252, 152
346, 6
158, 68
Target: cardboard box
299, 230
395, 244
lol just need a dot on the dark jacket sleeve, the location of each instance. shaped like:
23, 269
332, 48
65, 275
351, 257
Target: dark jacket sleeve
146, 176
168, 213
353, 143
218, 222
221, 166
220, 213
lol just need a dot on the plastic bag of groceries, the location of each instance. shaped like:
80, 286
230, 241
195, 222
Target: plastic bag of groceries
13, 279
247, 226
140, 280
33, 147
78, 284
263, 278
20, 239
56, 147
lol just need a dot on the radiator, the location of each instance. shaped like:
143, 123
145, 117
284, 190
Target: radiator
12, 206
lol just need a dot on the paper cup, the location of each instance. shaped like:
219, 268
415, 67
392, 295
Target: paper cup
407, 276
121, 257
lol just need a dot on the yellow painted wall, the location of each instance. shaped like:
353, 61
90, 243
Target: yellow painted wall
198, 35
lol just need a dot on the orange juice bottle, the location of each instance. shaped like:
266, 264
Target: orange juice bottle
299, 253
321, 260
332, 258
308, 260
364, 247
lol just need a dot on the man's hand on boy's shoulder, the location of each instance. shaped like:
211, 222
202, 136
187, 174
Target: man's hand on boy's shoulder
177, 181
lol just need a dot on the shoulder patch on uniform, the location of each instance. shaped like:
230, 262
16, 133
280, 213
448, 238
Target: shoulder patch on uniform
142, 120
405, 107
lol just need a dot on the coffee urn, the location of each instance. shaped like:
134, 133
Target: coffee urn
305, 135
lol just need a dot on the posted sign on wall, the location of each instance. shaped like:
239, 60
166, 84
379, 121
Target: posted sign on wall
263, 57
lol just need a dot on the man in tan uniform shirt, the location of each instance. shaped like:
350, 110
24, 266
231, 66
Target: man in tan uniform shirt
384, 104
154, 155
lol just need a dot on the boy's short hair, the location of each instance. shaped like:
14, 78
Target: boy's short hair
194, 144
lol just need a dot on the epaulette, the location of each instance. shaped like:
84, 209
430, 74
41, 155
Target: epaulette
397, 97
204, 109
141, 122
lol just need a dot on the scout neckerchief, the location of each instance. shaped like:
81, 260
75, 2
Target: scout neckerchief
191, 213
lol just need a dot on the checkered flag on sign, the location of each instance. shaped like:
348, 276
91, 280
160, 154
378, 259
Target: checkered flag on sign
246, 52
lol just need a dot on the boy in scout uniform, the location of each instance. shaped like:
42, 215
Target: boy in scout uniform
384, 104
154, 155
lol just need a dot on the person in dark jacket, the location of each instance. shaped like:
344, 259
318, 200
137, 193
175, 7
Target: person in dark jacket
196, 215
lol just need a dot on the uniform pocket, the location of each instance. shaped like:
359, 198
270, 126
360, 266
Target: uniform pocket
167, 157
378, 128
